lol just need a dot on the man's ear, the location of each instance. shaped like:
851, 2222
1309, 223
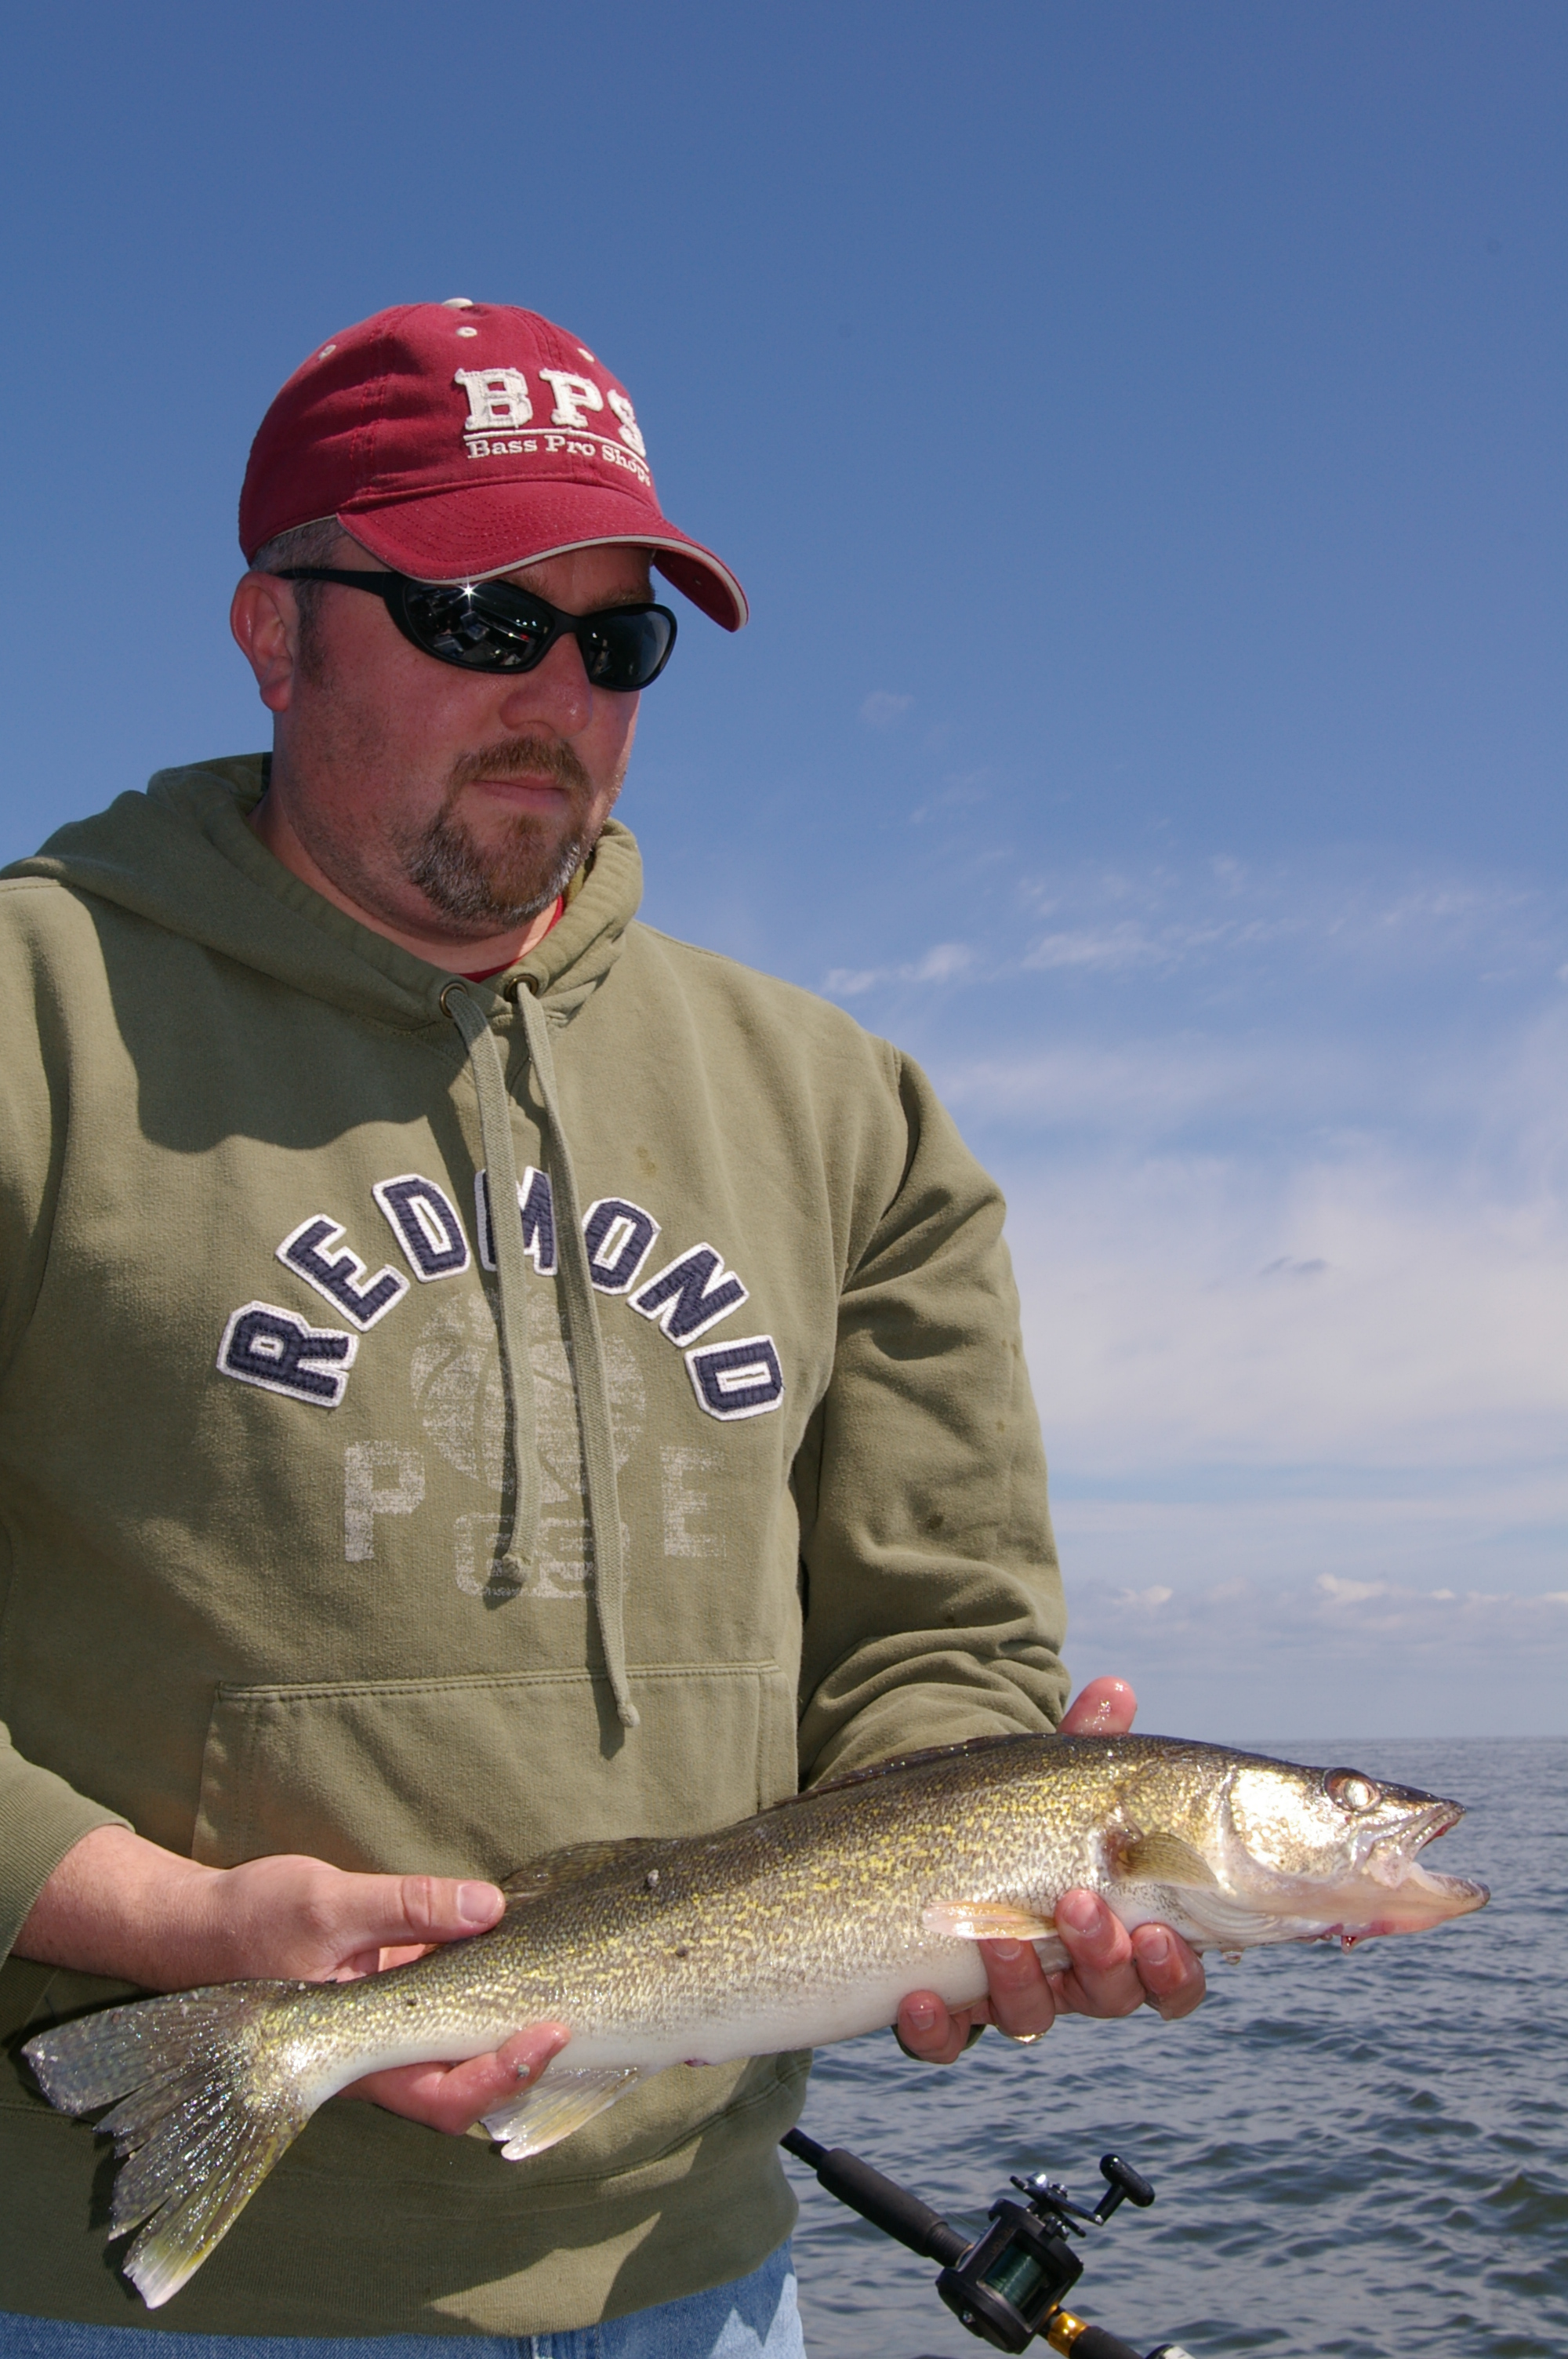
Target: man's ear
265, 619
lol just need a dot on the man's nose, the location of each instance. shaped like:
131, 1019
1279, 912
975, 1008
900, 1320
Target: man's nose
555, 692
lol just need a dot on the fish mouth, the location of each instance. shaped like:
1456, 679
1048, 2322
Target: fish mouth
1423, 1896
1388, 1851
1400, 1894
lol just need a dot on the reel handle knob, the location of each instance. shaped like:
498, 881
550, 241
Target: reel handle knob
1127, 2181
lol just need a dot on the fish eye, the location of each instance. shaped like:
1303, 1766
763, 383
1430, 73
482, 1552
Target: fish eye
1351, 1790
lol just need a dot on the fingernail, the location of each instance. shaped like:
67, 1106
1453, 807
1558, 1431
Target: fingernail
1079, 1910
1005, 1952
476, 1903
923, 2015
1154, 1948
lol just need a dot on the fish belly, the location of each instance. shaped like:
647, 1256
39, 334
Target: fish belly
784, 2018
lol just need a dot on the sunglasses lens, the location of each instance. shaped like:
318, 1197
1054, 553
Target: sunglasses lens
494, 626
626, 651
483, 628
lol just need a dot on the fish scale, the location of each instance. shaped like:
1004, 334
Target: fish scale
805, 1924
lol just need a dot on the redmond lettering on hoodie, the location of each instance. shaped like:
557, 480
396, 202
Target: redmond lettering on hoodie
684, 1300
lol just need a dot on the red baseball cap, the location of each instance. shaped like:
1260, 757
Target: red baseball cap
456, 441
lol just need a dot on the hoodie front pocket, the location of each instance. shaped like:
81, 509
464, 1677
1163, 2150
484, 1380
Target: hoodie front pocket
473, 1775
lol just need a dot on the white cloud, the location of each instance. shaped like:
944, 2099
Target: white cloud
1138, 1091
1271, 1659
1110, 948
1225, 917
1330, 1606
944, 963
882, 708
1362, 1309
964, 790
1222, 941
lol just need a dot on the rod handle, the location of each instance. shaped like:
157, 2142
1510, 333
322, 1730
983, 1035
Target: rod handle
883, 2201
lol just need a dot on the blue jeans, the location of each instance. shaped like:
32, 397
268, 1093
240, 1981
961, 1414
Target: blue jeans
751, 2318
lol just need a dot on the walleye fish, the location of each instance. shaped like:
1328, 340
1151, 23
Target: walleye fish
807, 1924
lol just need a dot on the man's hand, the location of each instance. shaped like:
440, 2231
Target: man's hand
452, 2097
1112, 1972
118, 1906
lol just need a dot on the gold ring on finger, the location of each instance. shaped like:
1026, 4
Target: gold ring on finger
1021, 2038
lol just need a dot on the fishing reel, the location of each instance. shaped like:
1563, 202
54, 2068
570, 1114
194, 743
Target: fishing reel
1006, 2285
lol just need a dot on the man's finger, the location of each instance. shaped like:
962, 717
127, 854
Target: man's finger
1105, 1708
1101, 1978
1172, 1975
928, 2031
452, 2097
1092, 1933
410, 1912
1021, 2000
487, 2083
440, 1908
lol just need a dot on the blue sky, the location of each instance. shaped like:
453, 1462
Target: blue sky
1139, 429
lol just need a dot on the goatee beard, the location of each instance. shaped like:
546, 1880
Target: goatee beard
496, 889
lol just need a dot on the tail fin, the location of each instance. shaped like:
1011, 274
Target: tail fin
201, 2119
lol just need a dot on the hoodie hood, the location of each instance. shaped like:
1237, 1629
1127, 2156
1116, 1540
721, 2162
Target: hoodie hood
182, 855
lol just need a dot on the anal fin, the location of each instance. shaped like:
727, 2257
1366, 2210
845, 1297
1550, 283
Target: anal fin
559, 2101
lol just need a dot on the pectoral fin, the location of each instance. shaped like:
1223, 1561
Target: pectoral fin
1160, 1858
558, 2103
987, 1920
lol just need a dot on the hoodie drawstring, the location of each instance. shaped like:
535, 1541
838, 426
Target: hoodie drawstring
585, 1344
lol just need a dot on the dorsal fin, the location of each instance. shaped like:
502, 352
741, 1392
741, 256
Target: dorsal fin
576, 1862
874, 1770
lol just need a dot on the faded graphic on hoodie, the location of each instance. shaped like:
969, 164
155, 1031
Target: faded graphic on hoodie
457, 1383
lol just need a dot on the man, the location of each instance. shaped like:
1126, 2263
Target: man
476, 1376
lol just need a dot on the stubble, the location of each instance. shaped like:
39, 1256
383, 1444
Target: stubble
494, 886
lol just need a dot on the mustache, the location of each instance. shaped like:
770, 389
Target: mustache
519, 757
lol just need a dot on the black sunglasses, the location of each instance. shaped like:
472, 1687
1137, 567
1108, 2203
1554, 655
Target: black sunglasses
495, 626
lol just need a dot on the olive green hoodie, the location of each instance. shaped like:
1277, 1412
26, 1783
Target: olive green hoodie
321, 1535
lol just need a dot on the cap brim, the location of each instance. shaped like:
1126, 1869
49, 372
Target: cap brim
470, 536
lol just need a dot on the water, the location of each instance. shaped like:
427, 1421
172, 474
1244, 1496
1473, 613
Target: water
1353, 2154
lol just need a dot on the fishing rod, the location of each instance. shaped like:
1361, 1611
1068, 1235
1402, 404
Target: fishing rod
1007, 2285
